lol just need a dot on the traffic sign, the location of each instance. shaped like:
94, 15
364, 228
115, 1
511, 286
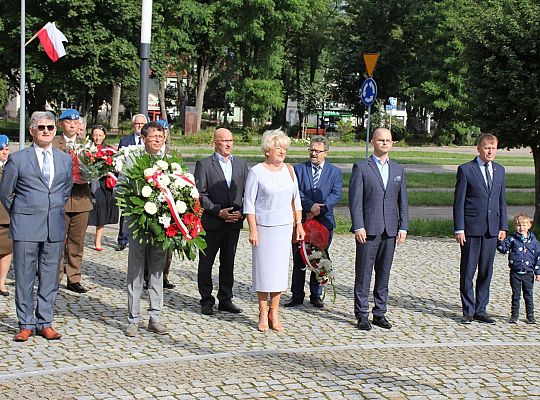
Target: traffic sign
392, 101
368, 93
370, 59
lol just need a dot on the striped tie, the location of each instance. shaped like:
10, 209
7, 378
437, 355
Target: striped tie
316, 175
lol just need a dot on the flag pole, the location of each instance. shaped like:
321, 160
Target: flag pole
22, 90
32, 39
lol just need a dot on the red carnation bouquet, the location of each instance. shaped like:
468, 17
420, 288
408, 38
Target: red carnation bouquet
92, 162
314, 254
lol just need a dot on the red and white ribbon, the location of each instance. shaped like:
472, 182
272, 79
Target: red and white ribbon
304, 255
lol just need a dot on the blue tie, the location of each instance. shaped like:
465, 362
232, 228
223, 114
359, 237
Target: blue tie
46, 169
316, 175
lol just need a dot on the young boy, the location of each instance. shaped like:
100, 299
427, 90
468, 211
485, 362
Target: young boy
524, 261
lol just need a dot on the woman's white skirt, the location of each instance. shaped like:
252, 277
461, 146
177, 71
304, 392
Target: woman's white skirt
271, 258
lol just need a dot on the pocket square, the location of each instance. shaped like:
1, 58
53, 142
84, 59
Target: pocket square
397, 178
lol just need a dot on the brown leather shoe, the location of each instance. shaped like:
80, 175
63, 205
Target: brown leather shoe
49, 333
23, 335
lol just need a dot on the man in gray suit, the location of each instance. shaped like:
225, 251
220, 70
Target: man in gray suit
379, 213
34, 189
220, 180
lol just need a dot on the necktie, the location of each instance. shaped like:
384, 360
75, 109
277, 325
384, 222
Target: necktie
488, 176
139, 140
316, 175
46, 169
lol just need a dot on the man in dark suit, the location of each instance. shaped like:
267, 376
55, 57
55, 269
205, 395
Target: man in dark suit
479, 219
77, 208
379, 213
35, 186
135, 138
220, 180
320, 186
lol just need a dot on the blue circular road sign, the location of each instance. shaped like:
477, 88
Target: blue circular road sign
368, 93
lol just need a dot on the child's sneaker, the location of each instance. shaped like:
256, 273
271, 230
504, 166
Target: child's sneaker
514, 319
530, 319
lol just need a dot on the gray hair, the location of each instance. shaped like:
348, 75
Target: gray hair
274, 138
320, 139
139, 115
40, 115
82, 122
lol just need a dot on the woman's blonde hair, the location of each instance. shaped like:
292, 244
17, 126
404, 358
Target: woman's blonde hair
274, 138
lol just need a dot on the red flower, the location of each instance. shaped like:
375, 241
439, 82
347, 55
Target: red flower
108, 160
171, 230
99, 154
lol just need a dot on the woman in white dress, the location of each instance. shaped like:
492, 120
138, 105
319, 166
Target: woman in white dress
270, 189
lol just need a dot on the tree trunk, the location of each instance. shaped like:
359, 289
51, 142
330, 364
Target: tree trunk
202, 79
161, 96
115, 106
536, 158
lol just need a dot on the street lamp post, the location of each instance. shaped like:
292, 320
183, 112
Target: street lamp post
146, 34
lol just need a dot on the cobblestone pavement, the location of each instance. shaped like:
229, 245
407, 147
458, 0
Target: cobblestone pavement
320, 355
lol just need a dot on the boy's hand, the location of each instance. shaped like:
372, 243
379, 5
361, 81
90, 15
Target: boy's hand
537, 277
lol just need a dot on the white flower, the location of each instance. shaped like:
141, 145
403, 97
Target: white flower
165, 220
179, 183
176, 167
161, 197
164, 180
146, 191
194, 193
150, 208
189, 176
181, 207
150, 171
315, 255
163, 165
325, 265
118, 164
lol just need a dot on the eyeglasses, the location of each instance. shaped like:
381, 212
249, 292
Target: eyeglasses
316, 151
384, 141
155, 137
41, 128
277, 148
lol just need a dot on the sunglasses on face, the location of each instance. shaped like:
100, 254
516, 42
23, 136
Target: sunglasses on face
41, 128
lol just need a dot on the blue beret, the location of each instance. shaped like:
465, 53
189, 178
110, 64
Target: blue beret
4, 141
163, 123
69, 113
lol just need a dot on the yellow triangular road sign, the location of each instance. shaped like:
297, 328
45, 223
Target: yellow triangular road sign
370, 59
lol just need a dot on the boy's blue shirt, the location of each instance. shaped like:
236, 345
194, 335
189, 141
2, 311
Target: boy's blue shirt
523, 253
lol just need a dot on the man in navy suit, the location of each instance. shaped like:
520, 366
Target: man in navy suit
380, 214
479, 219
320, 188
135, 138
34, 189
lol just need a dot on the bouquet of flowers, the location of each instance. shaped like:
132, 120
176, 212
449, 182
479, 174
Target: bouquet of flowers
160, 200
92, 162
314, 254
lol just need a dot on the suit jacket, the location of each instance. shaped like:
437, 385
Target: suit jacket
81, 197
37, 212
328, 191
373, 207
216, 195
478, 211
127, 141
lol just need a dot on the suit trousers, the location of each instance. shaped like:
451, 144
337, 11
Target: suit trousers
166, 270
225, 241
478, 253
138, 253
377, 253
30, 258
76, 224
299, 276
122, 235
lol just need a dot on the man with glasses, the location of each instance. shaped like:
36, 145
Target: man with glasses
135, 138
320, 186
380, 214
220, 179
78, 206
34, 189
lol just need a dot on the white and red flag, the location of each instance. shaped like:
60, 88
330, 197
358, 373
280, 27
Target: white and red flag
51, 39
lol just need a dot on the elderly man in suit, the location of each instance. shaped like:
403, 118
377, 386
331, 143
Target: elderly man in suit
34, 189
220, 180
142, 252
320, 186
479, 219
77, 208
135, 138
380, 213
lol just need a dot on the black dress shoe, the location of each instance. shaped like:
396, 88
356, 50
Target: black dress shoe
76, 287
120, 247
381, 322
484, 318
293, 302
316, 302
207, 309
363, 324
229, 307
168, 285
145, 286
466, 319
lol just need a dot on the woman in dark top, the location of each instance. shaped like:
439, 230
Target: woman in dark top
105, 209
